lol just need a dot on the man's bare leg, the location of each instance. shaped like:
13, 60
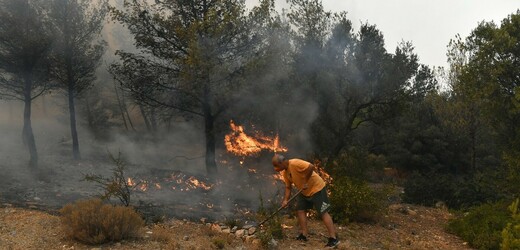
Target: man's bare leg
302, 220
327, 220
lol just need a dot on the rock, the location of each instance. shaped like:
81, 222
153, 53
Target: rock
186, 238
216, 227
273, 244
240, 232
226, 230
234, 229
251, 230
250, 238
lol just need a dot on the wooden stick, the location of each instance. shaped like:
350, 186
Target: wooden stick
280, 209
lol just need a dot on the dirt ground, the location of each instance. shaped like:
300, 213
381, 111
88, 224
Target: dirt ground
404, 227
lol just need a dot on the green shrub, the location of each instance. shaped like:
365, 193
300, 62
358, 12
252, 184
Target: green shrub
481, 226
428, 189
355, 201
219, 243
456, 192
272, 230
92, 222
356, 163
511, 234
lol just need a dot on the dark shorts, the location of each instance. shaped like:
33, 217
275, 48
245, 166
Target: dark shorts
319, 201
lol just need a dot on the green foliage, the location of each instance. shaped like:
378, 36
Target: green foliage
428, 189
115, 186
219, 243
93, 222
354, 200
482, 226
511, 234
456, 192
356, 163
272, 230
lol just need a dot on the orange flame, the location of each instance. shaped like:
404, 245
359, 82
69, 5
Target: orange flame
239, 143
130, 182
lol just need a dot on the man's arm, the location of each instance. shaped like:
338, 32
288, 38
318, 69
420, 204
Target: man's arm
286, 196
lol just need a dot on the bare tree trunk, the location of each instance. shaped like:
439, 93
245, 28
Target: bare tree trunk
73, 129
209, 132
27, 134
120, 106
145, 118
123, 103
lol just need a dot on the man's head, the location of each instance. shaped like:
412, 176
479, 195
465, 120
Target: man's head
278, 162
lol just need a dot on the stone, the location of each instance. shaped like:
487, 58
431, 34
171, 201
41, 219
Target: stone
216, 227
251, 230
250, 238
240, 232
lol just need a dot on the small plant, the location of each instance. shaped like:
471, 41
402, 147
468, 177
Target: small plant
272, 230
511, 234
273, 227
115, 186
92, 222
232, 222
219, 243
354, 200
482, 226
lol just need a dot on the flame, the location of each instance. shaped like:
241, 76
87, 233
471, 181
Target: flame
196, 183
130, 182
321, 172
178, 181
239, 143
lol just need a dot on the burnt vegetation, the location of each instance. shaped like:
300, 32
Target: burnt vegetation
332, 93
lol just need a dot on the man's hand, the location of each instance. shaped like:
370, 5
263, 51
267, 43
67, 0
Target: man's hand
284, 203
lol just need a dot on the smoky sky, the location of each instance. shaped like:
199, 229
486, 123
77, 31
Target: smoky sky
429, 25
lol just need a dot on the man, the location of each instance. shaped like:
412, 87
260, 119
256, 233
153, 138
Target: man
313, 194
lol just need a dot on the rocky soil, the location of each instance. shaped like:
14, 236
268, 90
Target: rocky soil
404, 227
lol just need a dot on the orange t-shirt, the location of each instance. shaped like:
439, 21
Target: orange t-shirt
295, 174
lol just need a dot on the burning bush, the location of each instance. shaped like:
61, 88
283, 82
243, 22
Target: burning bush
92, 222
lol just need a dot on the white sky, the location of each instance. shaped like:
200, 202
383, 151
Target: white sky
428, 24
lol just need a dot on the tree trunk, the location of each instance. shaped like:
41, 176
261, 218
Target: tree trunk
145, 118
209, 132
73, 129
120, 106
27, 134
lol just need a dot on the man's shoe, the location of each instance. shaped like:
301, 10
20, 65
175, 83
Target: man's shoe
301, 237
333, 242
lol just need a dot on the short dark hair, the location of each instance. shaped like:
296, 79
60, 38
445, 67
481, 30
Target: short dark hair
278, 158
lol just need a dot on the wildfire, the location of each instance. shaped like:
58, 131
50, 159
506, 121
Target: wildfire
241, 144
178, 181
